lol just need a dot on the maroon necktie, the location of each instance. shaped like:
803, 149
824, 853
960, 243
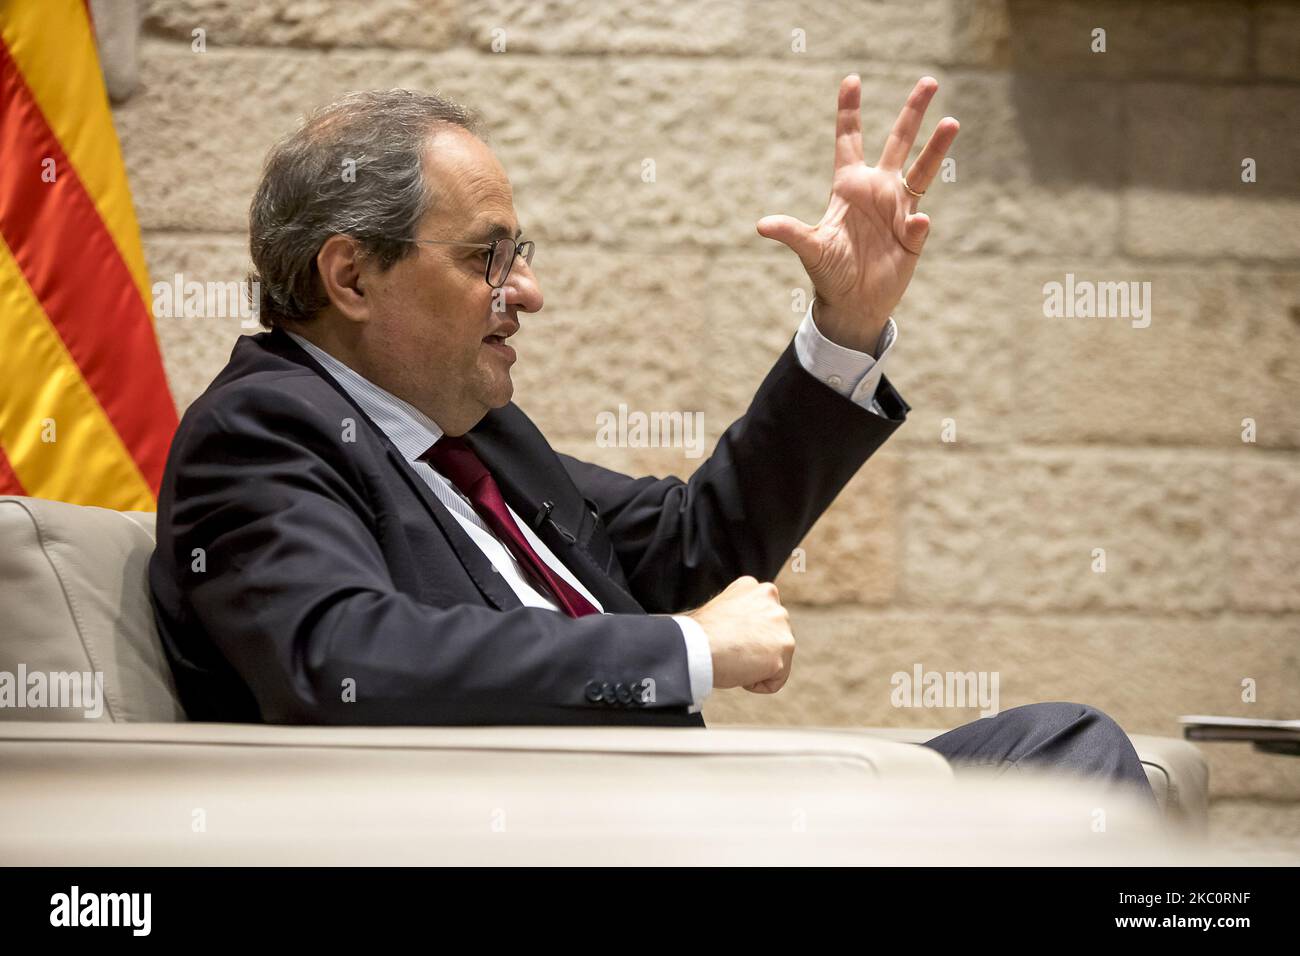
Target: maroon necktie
458, 463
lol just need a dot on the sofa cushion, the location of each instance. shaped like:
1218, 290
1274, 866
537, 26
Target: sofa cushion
75, 595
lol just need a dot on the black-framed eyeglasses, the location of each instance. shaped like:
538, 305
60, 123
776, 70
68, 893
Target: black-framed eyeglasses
501, 255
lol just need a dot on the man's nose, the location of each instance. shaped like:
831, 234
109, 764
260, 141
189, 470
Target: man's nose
523, 291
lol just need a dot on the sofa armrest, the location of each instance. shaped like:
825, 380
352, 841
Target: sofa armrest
233, 793
223, 794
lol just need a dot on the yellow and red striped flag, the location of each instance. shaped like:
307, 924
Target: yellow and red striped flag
86, 415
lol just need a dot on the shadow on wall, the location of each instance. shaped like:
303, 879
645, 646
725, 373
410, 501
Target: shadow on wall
1175, 102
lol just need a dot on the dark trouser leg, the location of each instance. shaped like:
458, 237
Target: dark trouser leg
1063, 736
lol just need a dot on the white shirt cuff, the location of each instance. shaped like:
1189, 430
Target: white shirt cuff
698, 657
853, 374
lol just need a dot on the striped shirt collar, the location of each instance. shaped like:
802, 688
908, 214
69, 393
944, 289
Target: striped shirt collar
412, 431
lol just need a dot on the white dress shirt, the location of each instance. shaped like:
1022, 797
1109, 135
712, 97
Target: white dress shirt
855, 375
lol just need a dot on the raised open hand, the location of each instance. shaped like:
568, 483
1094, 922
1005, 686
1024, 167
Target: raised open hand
862, 253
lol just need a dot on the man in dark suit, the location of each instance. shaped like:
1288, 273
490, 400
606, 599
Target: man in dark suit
357, 525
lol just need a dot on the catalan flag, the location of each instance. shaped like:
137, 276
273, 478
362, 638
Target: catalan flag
85, 412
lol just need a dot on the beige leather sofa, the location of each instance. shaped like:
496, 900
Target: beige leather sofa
133, 781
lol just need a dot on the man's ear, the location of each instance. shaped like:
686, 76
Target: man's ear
339, 264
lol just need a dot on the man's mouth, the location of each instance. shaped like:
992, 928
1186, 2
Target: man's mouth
498, 344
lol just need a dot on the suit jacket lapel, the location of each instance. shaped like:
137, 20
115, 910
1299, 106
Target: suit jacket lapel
491, 584
528, 490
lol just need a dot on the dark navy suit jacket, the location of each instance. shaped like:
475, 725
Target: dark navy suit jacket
303, 578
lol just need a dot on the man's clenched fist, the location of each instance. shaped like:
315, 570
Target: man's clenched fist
749, 636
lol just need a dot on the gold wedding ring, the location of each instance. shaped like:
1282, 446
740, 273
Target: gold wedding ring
918, 195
